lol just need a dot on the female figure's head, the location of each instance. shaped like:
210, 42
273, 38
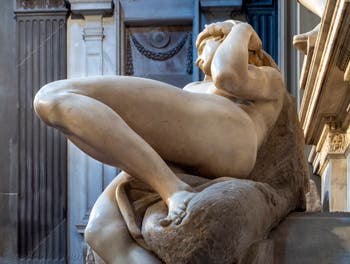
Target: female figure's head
206, 50
211, 38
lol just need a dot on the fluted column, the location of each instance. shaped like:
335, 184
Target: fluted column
41, 58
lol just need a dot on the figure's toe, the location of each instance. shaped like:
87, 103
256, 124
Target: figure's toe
177, 220
182, 206
182, 214
187, 200
165, 222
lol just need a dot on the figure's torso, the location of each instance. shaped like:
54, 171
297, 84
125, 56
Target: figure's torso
262, 113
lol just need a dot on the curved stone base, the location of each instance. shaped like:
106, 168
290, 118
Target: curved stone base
222, 222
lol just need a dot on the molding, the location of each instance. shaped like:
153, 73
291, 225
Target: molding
93, 37
347, 73
91, 7
220, 4
39, 4
163, 15
35, 7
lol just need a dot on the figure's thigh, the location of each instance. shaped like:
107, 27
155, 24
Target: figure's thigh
181, 126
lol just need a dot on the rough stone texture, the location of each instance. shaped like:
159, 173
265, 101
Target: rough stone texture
281, 160
227, 218
223, 221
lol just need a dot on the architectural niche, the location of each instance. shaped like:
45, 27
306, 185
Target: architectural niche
160, 53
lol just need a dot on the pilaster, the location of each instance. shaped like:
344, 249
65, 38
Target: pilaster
41, 58
329, 159
91, 51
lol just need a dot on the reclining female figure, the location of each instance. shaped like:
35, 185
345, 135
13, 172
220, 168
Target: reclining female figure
211, 129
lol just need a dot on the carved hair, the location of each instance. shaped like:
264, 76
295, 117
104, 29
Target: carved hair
267, 60
261, 58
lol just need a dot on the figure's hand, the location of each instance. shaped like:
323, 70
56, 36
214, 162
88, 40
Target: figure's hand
255, 43
218, 29
222, 29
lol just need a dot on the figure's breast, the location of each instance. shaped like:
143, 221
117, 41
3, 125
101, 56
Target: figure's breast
208, 87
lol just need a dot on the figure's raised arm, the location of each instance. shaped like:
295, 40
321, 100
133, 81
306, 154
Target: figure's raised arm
238, 66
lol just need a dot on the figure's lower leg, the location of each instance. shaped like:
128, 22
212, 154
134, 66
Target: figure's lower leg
102, 133
107, 234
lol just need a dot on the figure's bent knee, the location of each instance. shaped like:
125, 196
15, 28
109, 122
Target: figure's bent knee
111, 235
48, 100
91, 234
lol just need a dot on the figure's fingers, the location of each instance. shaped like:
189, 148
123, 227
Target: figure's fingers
187, 200
209, 30
203, 35
177, 213
182, 206
213, 29
255, 41
183, 214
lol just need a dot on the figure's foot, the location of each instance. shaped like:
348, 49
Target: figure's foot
177, 205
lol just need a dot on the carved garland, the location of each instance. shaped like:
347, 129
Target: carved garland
129, 64
189, 64
160, 56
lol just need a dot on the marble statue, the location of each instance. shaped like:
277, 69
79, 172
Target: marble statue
208, 170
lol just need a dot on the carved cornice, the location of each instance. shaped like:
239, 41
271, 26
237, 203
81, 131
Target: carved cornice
347, 73
91, 7
222, 4
39, 6
326, 93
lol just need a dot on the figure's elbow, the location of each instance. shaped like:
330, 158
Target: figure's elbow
228, 81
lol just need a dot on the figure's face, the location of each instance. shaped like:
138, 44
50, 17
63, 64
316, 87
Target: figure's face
206, 51
337, 141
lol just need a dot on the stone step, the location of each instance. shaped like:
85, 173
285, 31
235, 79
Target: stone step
312, 238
